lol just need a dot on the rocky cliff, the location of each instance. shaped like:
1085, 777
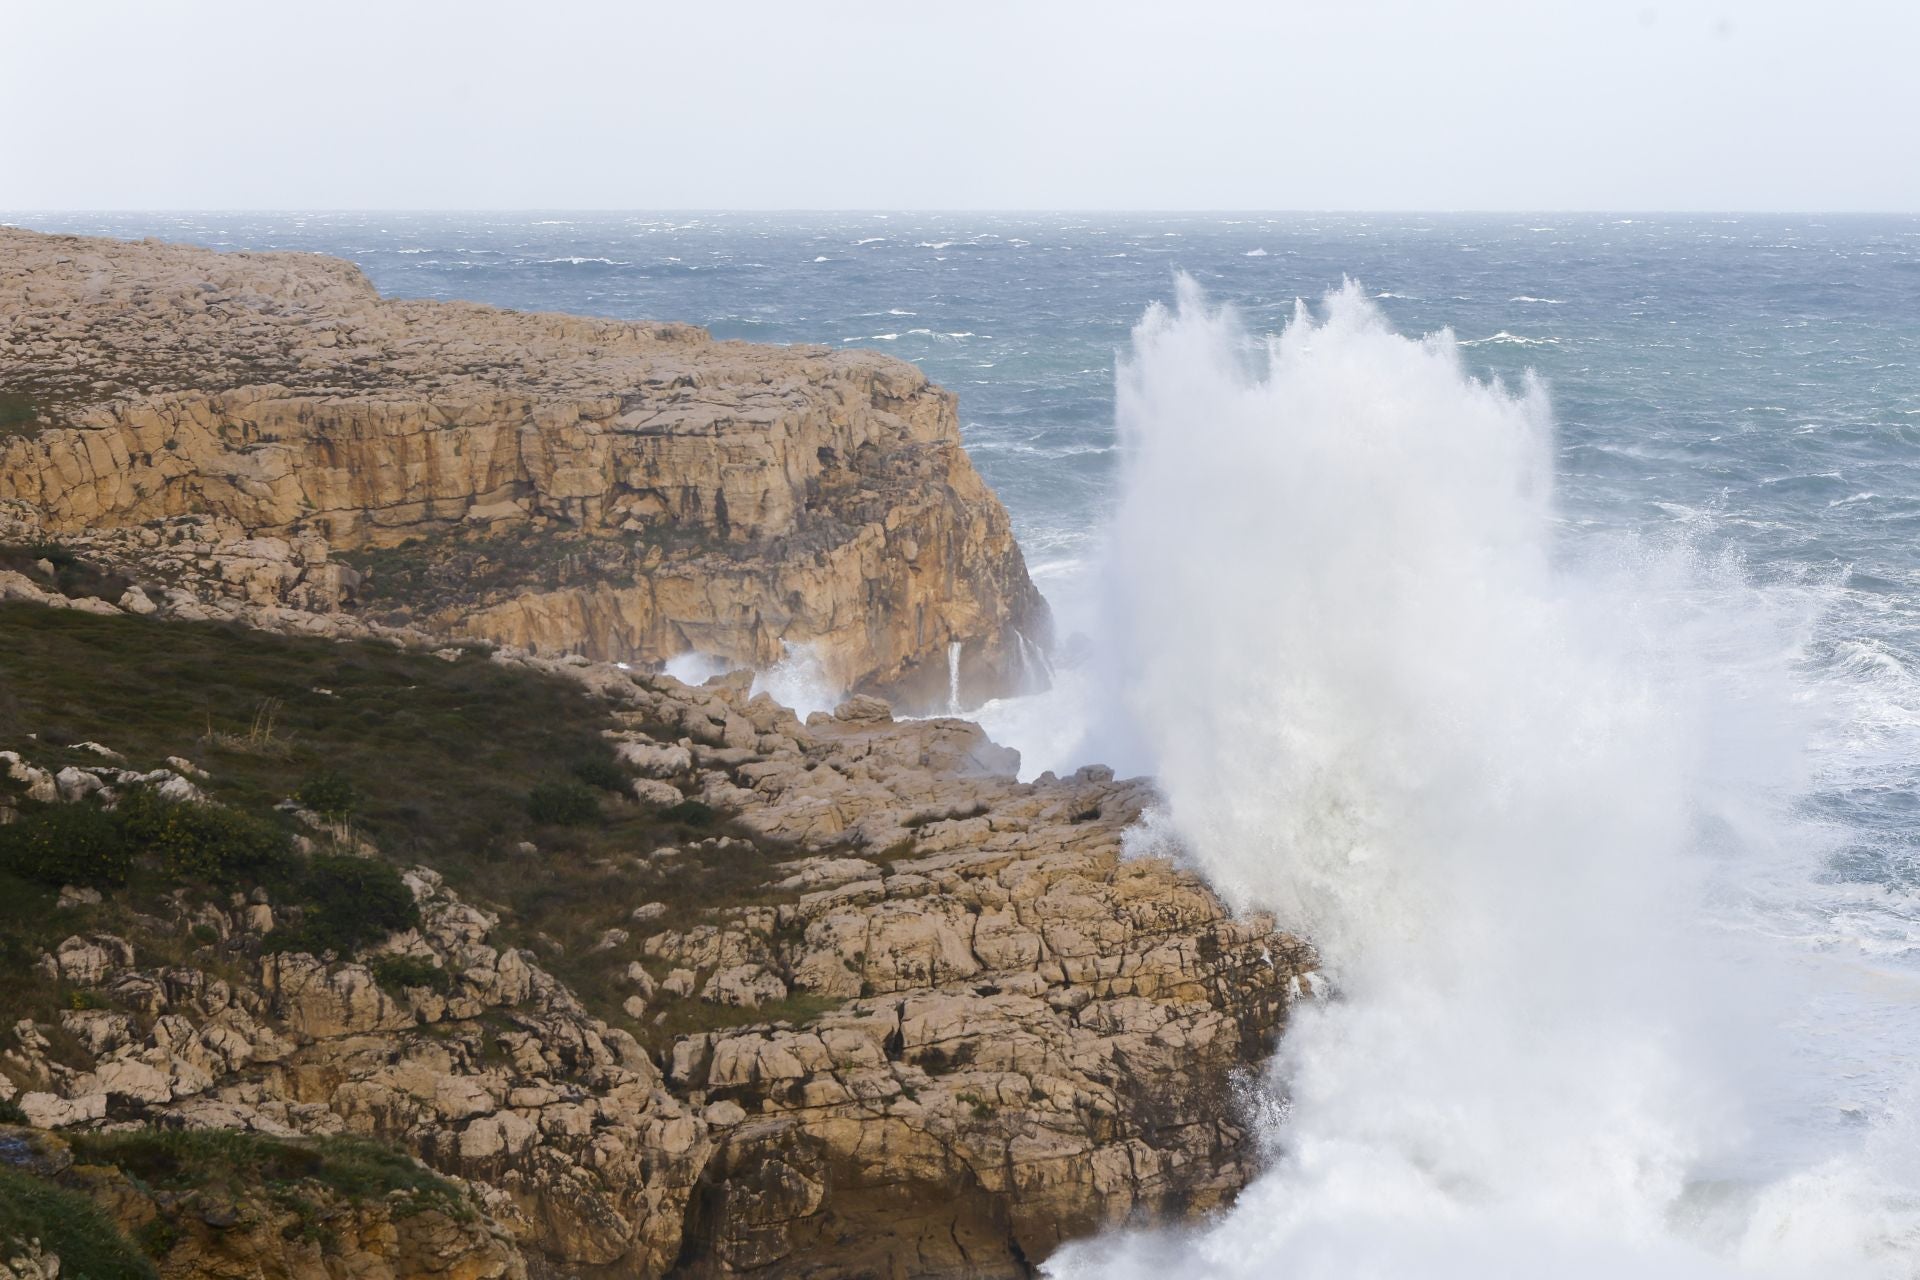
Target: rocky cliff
833, 998
561, 484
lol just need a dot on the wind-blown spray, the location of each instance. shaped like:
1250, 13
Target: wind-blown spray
1496, 791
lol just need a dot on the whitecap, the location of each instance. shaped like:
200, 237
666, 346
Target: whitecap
823, 258
1254, 253
1551, 302
1514, 339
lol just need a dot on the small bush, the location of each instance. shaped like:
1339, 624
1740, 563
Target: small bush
600, 772
562, 804
202, 841
398, 973
350, 902
68, 1224
10, 1113
67, 844
328, 794
158, 1237
691, 812
82, 1000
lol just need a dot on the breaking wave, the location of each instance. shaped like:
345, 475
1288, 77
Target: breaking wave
1521, 801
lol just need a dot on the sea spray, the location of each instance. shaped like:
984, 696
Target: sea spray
799, 681
953, 678
1498, 791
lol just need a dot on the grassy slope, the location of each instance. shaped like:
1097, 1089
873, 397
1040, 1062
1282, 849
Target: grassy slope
442, 754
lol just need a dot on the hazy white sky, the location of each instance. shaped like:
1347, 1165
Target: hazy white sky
855, 104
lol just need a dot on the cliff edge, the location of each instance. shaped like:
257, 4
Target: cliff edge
264, 427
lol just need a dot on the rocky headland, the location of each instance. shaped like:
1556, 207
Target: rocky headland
264, 429
367, 908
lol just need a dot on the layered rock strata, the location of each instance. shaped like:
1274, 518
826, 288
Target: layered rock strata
562, 484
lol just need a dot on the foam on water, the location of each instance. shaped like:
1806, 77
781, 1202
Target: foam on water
1518, 802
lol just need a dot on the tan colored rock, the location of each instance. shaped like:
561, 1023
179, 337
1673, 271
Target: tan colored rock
681, 493
978, 1029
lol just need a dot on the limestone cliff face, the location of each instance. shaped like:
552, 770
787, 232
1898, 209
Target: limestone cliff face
566, 485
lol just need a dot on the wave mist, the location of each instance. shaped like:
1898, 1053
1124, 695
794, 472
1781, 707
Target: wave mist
1508, 796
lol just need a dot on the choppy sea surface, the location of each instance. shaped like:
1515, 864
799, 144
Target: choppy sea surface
1741, 392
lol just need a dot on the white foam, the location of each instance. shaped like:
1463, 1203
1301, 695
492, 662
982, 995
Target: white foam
801, 681
1510, 339
1509, 797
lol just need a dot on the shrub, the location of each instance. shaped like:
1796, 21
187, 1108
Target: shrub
159, 1236
600, 772
10, 1113
202, 841
67, 844
564, 803
68, 1224
397, 973
328, 794
691, 812
350, 902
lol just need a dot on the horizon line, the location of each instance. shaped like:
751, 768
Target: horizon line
727, 211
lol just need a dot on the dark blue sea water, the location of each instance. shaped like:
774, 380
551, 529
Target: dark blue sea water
1747, 385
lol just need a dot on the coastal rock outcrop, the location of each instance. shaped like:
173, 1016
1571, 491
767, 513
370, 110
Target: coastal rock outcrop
943, 1022
624, 491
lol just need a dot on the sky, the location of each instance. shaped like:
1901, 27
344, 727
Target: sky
1677, 105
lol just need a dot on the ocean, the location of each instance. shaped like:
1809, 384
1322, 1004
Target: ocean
1524, 606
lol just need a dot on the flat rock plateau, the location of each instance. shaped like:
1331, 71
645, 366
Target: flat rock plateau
371, 905
561, 484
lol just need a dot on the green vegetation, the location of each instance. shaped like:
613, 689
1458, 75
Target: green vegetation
328, 794
563, 803
236, 1162
66, 1223
19, 413
399, 973
691, 812
604, 774
433, 573
439, 760
84, 845
689, 1017
346, 903
67, 844
205, 842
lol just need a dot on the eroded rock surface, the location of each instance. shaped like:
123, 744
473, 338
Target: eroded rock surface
963, 1025
557, 483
